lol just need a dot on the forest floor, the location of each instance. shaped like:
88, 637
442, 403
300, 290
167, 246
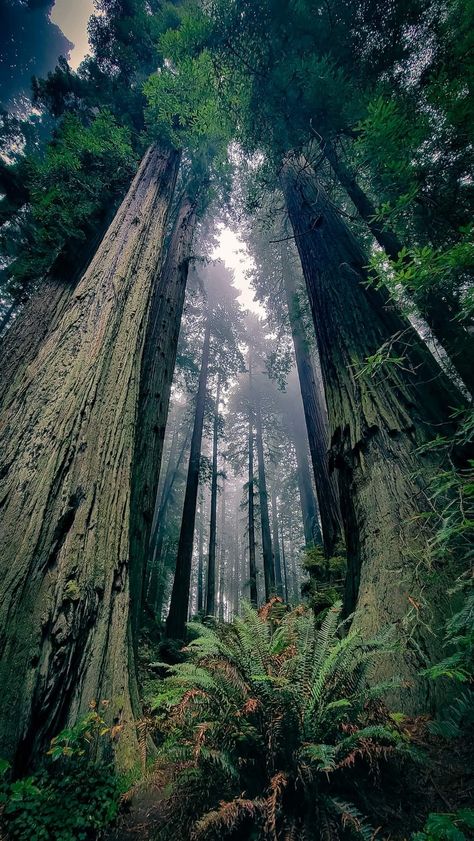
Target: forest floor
443, 783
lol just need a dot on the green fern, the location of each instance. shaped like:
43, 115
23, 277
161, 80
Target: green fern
266, 726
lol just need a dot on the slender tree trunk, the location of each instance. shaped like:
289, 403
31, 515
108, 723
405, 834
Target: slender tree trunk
268, 565
222, 555
251, 490
155, 576
377, 421
315, 416
176, 621
211, 568
276, 544
200, 593
309, 509
283, 560
155, 386
439, 314
66, 462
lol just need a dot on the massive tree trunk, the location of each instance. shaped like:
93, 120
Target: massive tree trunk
200, 582
211, 567
66, 462
377, 418
42, 313
178, 612
438, 311
315, 416
267, 551
159, 360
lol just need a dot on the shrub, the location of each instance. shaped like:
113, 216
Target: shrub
70, 799
269, 729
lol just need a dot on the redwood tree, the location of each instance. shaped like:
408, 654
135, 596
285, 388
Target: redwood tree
66, 463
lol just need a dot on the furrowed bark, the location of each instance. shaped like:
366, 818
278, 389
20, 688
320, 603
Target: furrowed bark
159, 360
438, 311
377, 421
316, 418
66, 462
42, 312
178, 612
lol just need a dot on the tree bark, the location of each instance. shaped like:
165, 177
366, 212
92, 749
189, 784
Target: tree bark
316, 418
176, 621
251, 512
66, 462
267, 551
377, 421
42, 312
211, 568
200, 584
439, 313
276, 544
159, 360
155, 582
309, 510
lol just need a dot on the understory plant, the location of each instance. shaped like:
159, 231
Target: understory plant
71, 798
271, 730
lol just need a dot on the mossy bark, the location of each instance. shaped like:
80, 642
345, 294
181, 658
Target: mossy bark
439, 311
377, 419
41, 314
66, 462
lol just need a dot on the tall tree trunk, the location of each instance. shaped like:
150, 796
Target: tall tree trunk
276, 544
211, 568
377, 421
200, 592
309, 510
222, 554
66, 462
155, 567
438, 312
176, 621
251, 512
283, 560
315, 416
267, 552
159, 360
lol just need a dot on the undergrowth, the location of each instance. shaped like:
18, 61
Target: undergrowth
271, 730
70, 798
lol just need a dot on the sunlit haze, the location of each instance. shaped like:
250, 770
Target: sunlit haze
234, 254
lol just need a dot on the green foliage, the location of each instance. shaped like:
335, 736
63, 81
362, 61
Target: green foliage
70, 798
326, 579
456, 826
84, 169
270, 728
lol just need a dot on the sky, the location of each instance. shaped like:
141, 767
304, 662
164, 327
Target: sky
71, 16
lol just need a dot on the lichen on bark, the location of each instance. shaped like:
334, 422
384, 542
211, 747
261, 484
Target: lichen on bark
67, 444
